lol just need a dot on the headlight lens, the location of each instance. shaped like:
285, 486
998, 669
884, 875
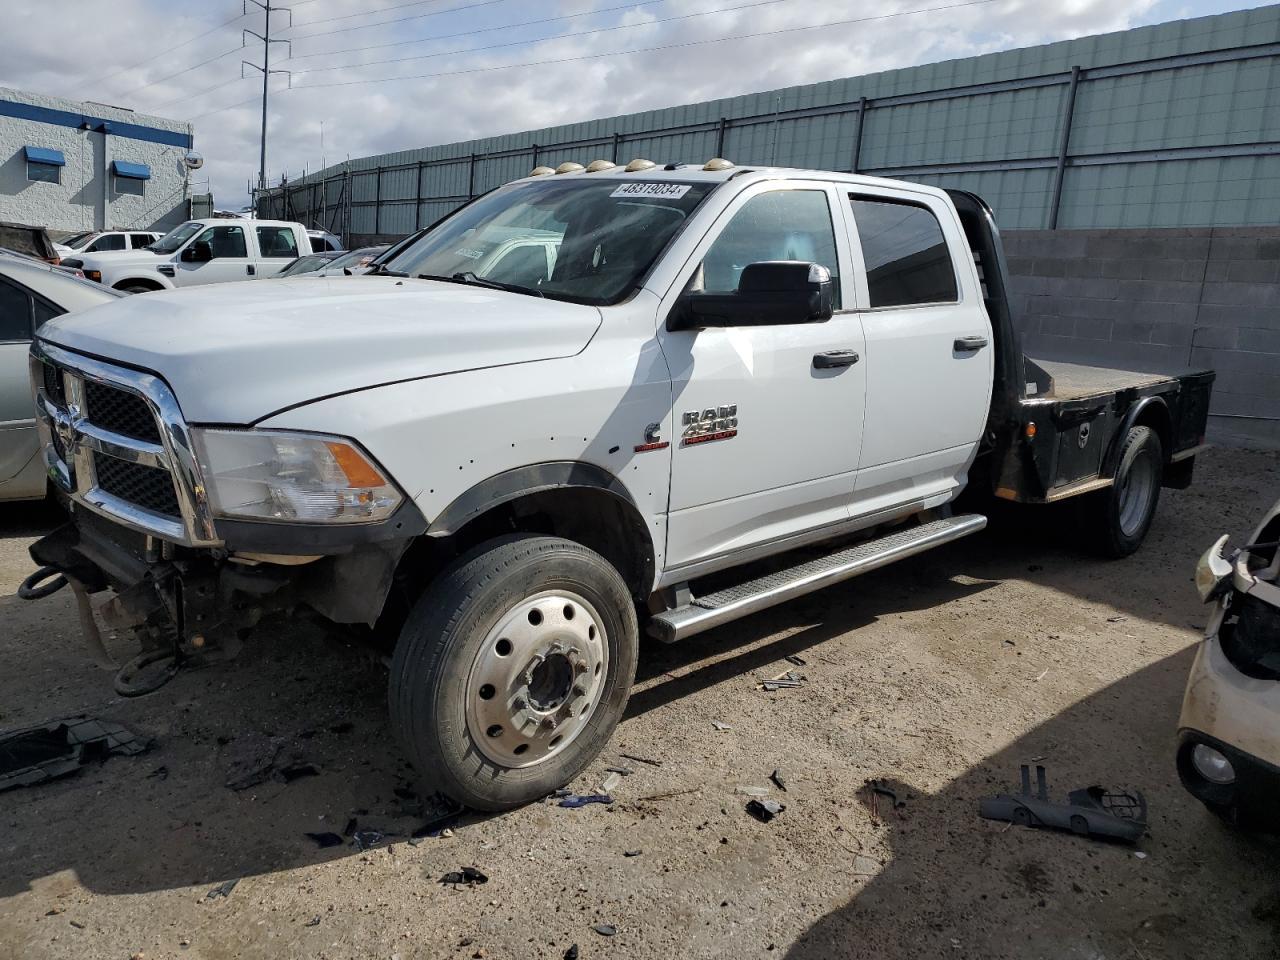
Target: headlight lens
292, 477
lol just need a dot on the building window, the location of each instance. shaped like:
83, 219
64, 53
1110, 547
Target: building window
130, 178
44, 165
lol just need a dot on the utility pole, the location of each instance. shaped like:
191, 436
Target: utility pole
266, 71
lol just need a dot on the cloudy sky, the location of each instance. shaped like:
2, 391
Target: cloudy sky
379, 75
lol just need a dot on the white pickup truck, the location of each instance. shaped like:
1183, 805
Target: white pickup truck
199, 252
512, 479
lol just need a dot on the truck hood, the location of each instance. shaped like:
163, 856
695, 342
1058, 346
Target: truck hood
115, 258
236, 352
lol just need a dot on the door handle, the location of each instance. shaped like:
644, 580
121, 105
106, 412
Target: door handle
964, 344
835, 358
248, 268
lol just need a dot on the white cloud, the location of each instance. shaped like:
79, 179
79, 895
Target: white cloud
72, 54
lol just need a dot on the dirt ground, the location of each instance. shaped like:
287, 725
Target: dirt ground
942, 674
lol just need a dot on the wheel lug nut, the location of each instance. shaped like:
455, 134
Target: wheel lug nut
518, 703
550, 723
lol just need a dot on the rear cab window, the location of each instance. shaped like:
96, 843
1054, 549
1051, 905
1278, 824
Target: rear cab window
277, 242
904, 252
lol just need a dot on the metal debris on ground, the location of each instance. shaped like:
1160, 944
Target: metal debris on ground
1116, 619
625, 771
366, 839
467, 876
765, 810
447, 814
720, 726
778, 782
59, 748
1091, 811
323, 840
632, 756
632, 853
611, 782
882, 796
783, 680
222, 890
605, 929
256, 758
313, 922
574, 800
797, 660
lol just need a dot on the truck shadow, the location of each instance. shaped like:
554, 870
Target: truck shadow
946, 883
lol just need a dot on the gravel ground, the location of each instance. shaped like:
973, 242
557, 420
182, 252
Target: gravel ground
942, 675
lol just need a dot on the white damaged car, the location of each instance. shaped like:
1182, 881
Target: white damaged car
1229, 731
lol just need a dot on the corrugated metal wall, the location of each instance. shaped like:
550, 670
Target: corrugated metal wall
1176, 124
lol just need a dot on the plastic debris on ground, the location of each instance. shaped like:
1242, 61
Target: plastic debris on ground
632, 853
882, 797
222, 890
366, 839
722, 727
255, 758
313, 922
778, 782
33, 755
446, 816
611, 782
467, 876
752, 791
574, 800
605, 929
323, 840
1088, 812
765, 810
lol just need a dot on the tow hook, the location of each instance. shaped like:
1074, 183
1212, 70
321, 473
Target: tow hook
131, 680
45, 582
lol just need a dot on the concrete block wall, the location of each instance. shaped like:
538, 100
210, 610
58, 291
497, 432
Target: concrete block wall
1158, 300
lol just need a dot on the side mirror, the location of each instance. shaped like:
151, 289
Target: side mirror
198, 252
769, 293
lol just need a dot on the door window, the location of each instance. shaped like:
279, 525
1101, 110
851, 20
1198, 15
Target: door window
778, 225
108, 241
905, 253
140, 240
42, 312
225, 241
15, 313
277, 242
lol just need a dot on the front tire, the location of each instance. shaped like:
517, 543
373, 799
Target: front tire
513, 669
1121, 515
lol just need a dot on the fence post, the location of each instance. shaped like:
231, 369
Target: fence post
471, 177
417, 200
724, 124
617, 143
377, 206
857, 133
1063, 141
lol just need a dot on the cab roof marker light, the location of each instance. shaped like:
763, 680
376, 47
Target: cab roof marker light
570, 167
639, 164
599, 166
541, 172
716, 164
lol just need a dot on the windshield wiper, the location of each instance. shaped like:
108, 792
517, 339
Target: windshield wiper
471, 279
380, 270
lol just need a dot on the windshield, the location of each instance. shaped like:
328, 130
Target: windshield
588, 241
308, 264
355, 258
176, 237
78, 240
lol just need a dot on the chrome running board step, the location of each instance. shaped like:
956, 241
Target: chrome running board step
703, 613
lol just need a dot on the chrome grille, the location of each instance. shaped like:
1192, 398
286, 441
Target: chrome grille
115, 441
120, 412
149, 487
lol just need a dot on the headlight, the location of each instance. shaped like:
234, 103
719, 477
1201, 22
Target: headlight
1212, 570
293, 477
95, 275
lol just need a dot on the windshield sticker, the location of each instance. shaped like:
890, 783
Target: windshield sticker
665, 191
469, 254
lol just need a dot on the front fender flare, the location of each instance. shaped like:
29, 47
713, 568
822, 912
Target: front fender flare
521, 481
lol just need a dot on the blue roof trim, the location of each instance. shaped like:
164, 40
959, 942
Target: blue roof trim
134, 171
45, 155
65, 118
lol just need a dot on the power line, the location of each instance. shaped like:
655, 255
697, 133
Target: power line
383, 23
666, 46
563, 36
200, 36
225, 53
194, 96
620, 53
369, 13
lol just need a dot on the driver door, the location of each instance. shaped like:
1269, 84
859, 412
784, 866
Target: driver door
787, 433
231, 260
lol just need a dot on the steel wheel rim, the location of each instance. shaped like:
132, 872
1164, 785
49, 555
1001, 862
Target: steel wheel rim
537, 679
1137, 490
